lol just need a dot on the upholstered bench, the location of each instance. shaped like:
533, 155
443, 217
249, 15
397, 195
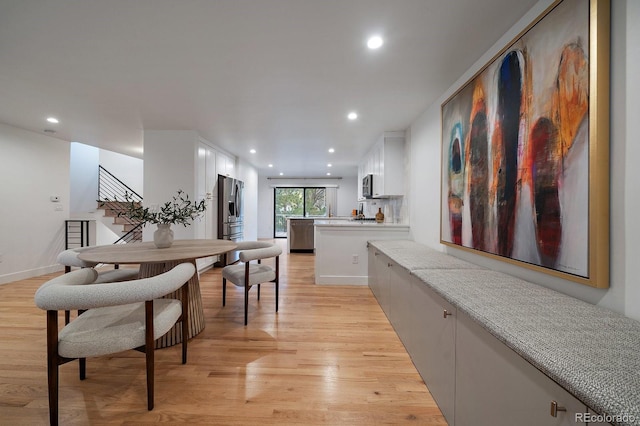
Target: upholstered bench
489, 329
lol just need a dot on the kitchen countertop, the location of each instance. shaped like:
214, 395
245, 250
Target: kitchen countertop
340, 218
357, 223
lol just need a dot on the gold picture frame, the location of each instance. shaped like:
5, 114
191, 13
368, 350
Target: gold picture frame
525, 149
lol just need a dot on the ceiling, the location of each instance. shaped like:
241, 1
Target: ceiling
277, 76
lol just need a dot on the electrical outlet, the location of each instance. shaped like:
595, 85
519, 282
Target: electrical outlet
355, 258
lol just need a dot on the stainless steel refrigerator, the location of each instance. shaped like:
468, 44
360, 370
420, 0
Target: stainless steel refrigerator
230, 214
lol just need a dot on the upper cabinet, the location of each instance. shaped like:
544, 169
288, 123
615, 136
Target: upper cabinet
385, 162
225, 165
210, 163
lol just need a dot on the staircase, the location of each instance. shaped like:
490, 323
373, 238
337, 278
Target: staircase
131, 229
110, 187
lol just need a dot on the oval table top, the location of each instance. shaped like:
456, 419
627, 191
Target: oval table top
147, 252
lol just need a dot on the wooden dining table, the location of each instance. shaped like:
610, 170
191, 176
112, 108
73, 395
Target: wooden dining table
154, 261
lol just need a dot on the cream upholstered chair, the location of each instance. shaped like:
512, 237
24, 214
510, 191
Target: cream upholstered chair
247, 274
69, 258
115, 317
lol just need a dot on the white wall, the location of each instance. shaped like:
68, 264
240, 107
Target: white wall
129, 170
33, 167
84, 187
170, 160
83, 172
625, 200
84, 163
249, 175
347, 198
424, 211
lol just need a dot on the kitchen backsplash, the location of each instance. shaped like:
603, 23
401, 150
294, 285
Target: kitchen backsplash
394, 209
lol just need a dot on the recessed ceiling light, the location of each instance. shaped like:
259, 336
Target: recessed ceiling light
328, 174
331, 150
281, 173
53, 120
253, 151
352, 115
329, 165
270, 165
375, 42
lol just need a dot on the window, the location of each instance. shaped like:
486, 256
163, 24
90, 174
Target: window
297, 202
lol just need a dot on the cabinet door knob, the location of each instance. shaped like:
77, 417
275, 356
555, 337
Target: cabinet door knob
555, 408
446, 313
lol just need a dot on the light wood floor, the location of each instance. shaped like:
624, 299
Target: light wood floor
328, 357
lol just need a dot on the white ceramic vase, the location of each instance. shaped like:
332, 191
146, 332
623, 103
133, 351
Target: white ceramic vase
163, 236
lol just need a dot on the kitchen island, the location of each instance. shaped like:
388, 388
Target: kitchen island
341, 248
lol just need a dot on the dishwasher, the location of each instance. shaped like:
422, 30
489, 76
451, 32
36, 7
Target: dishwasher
301, 235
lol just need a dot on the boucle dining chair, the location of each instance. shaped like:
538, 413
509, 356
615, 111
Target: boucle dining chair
247, 274
69, 258
115, 317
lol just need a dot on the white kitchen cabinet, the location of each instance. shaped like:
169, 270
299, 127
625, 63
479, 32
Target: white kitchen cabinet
389, 179
225, 165
361, 173
207, 177
431, 344
495, 386
385, 161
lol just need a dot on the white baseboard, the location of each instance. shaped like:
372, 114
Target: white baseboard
30, 273
342, 280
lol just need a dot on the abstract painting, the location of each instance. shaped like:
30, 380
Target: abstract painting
525, 149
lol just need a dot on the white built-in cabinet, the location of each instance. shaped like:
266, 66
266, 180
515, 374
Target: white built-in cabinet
493, 382
431, 341
385, 161
225, 165
417, 316
474, 378
206, 182
211, 163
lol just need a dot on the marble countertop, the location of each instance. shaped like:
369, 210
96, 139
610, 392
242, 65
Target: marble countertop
357, 224
592, 352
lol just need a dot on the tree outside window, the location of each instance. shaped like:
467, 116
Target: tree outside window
297, 202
